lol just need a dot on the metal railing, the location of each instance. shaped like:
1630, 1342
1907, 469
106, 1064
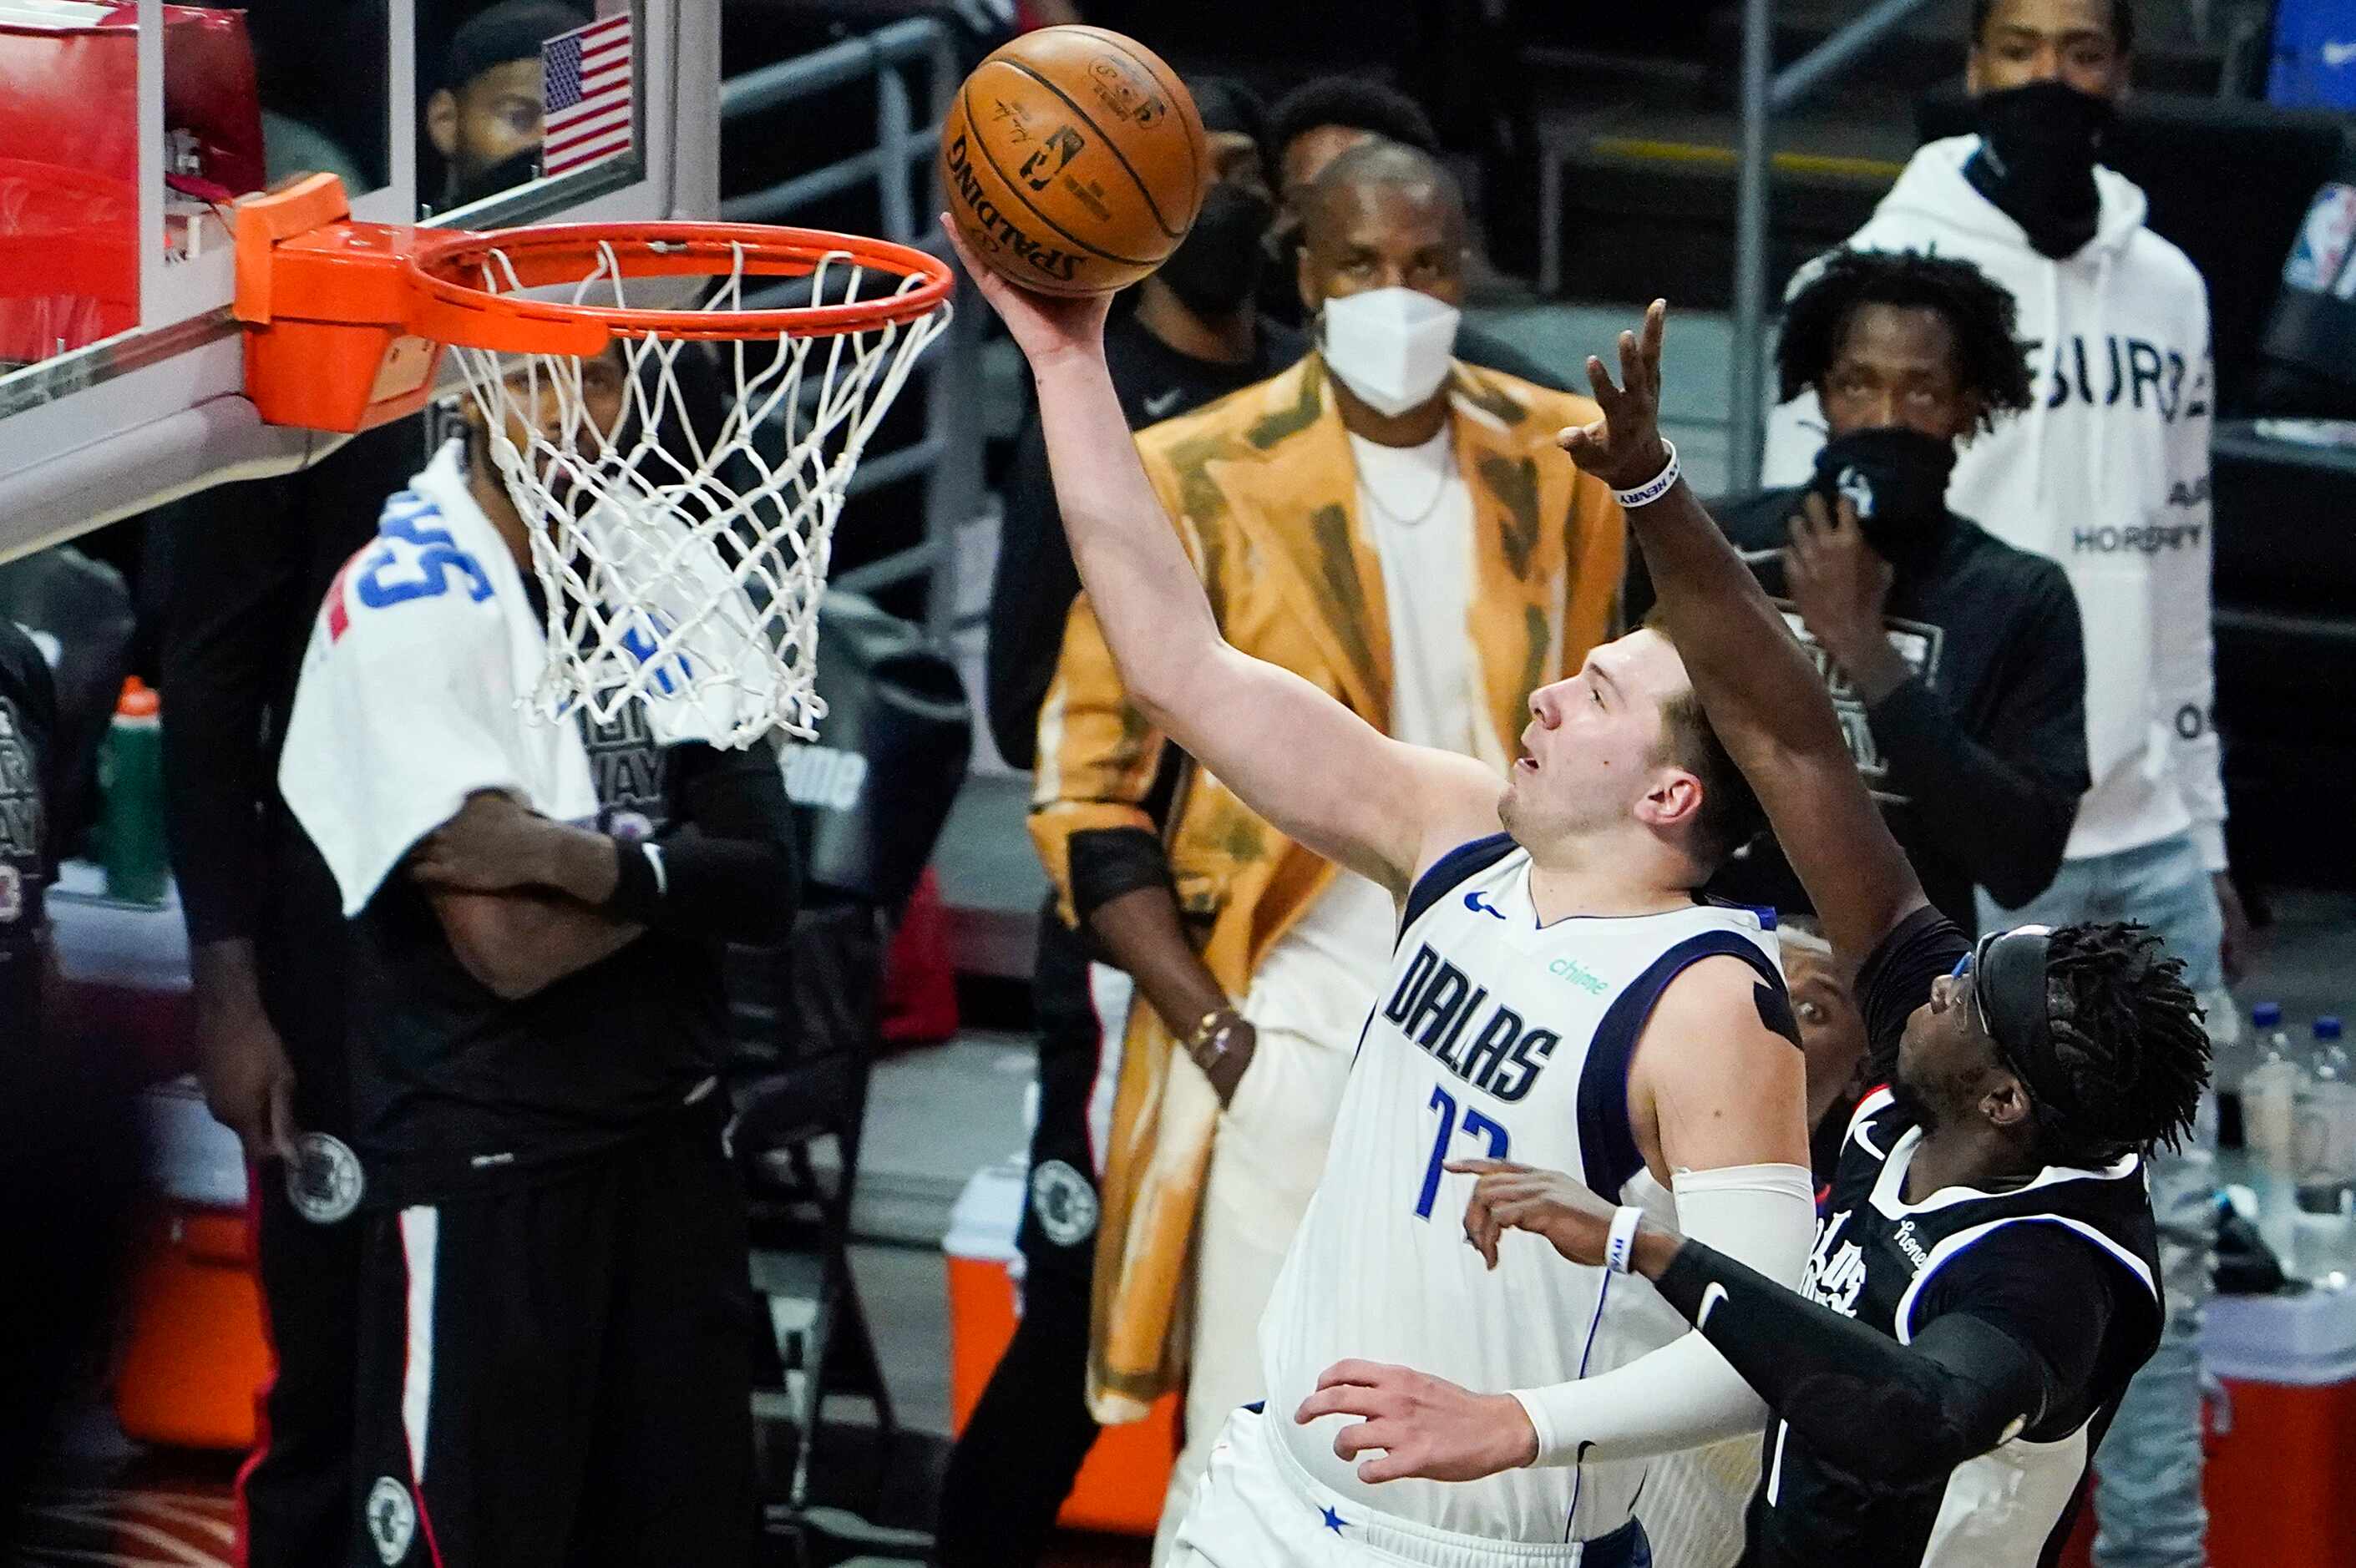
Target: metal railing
1767, 92
948, 453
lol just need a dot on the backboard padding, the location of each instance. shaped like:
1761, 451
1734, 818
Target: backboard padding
111, 429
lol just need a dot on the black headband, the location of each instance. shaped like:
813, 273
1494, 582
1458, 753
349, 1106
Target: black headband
2009, 996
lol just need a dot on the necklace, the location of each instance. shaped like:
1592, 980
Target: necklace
1447, 473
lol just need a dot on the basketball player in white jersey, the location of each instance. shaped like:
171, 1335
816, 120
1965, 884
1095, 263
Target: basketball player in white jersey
1558, 996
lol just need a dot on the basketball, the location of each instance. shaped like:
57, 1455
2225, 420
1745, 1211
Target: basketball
1073, 161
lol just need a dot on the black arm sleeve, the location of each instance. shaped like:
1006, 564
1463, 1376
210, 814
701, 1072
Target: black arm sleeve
233, 590
1030, 599
1894, 1416
1110, 862
730, 865
2002, 811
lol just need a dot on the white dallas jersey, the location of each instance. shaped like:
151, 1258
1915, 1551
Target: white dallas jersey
1493, 1037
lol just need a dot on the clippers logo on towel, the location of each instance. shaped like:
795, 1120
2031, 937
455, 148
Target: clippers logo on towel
645, 642
413, 559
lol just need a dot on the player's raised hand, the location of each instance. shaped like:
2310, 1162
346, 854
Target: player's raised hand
1510, 1197
1047, 327
1624, 448
1425, 1426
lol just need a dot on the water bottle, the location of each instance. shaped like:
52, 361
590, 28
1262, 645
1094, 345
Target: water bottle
2325, 1154
131, 777
2270, 1096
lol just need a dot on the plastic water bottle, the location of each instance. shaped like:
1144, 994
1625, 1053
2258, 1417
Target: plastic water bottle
132, 778
2270, 1097
2324, 1148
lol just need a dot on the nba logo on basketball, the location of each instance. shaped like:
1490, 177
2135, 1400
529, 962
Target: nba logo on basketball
1063, 146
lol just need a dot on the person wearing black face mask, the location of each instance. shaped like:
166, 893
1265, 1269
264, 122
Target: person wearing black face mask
1192, 335
2036, 161
1955, 659
2106, 473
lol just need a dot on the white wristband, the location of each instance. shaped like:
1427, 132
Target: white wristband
1655, 487
1620, 1245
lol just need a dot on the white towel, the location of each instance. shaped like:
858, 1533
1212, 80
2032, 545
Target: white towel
408, 698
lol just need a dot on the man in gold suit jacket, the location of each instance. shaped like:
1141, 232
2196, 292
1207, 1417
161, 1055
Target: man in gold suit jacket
1399, 528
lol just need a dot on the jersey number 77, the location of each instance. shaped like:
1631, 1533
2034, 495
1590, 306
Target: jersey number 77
1471, 1124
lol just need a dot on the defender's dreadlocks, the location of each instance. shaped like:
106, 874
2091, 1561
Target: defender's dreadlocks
2127, 1035
1990, 361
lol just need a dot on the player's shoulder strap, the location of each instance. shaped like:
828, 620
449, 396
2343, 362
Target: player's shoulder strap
1452, 869
1607, 1143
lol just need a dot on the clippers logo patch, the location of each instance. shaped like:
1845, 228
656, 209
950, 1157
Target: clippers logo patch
391, 1520
324, 1180
1065, 1203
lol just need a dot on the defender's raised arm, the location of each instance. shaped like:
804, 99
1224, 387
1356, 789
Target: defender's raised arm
1763, 697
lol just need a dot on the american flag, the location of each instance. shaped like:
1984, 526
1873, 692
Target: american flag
588, 95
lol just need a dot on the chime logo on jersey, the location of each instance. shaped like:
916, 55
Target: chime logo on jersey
1436, 1006
1834, 1278
391, 1519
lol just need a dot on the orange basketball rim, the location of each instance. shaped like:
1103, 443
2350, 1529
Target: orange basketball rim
346, 322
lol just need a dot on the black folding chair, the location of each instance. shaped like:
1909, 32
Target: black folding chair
804, 1019
872, 797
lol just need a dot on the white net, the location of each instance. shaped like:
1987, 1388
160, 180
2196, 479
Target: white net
682, 497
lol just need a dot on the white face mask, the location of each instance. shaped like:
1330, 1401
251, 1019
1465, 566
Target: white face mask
1388, 345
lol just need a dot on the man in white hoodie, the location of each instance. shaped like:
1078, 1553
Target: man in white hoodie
2108, 473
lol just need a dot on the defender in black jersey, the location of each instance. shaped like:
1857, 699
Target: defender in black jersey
1983, 1281
555, 1329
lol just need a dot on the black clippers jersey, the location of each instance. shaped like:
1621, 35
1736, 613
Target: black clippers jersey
1888, 1263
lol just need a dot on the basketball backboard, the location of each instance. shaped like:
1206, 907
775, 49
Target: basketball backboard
126, 128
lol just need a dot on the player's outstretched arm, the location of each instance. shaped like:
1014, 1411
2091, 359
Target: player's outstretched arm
1718, 1101
1320, 774
1762, 696
1891, 1414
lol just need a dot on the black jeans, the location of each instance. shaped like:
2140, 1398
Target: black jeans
1014, 1463
296, 1486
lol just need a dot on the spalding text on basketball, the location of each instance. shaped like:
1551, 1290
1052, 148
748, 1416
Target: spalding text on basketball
1048, 260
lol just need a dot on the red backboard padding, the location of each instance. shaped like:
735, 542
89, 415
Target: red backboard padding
70, 162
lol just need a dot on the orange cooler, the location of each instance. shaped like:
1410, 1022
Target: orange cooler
2282, 1455
196, 1354
1122, 1485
